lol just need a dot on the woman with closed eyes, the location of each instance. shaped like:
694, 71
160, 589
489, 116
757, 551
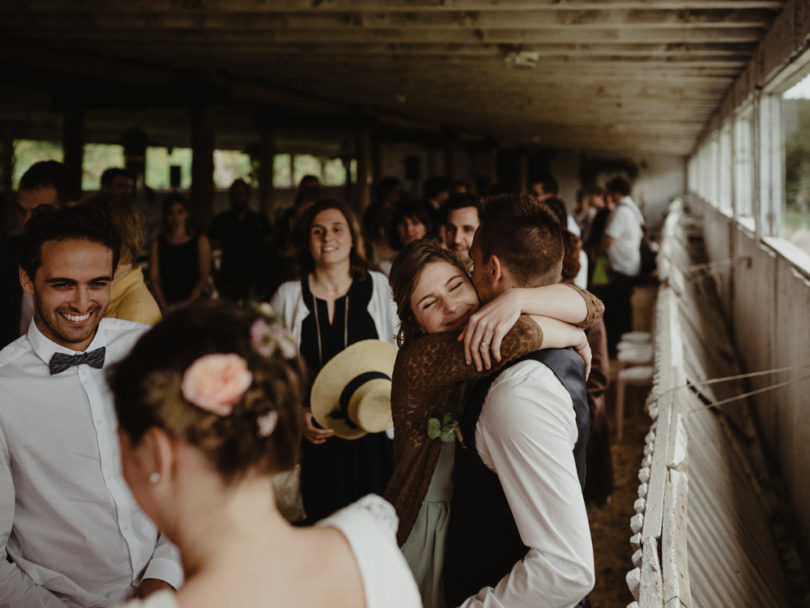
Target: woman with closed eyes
434, 296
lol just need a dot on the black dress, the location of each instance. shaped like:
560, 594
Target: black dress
179, 268
339, 471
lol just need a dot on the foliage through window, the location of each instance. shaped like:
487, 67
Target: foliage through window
796, 128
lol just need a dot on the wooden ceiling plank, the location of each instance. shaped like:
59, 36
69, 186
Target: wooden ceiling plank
580, 20
287, 6
392, 36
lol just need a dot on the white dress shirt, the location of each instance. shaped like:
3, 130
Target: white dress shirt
69, 525
624, 227
526, 434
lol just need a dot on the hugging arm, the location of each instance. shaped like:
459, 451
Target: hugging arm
560, 301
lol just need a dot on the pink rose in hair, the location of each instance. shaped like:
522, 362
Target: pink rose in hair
216, 382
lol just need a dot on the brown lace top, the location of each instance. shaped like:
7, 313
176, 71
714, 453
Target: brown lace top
427, 378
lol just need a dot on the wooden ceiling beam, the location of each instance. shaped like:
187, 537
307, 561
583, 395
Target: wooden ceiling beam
470, 52
287, 6
579, 20
134, 36
242, 56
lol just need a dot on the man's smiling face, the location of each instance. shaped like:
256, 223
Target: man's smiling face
71, 290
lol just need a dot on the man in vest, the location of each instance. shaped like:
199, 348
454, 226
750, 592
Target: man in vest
519, 533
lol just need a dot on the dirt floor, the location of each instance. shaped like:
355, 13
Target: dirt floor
610, 525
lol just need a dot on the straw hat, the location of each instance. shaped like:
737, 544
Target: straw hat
352, 392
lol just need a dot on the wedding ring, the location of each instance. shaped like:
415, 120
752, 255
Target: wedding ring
484, 345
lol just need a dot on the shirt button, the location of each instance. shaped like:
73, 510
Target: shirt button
126, 527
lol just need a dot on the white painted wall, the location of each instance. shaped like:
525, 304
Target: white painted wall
768, 300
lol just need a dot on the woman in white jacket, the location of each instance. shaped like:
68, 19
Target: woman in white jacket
337, 301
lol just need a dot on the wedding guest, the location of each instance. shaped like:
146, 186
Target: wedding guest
337, 301
130, 298
70, 532
180, 257
208, 411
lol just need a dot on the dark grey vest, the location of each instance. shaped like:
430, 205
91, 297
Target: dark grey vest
483, 543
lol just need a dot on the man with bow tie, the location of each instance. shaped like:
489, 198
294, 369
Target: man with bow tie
71, 533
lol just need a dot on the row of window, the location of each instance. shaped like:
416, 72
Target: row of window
288, 169
756, 167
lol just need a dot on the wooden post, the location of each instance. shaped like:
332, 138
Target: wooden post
524, 171
348, 188
376, 159
265, 174
6, 186
73, 146
364, 177
202, 164
493, 165
448, 139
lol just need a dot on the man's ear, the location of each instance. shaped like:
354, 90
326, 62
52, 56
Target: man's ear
495, 269
26, 281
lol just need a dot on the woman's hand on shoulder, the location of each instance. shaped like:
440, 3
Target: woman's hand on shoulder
486, 329
584, 350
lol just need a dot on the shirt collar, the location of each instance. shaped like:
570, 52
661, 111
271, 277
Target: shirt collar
44, 348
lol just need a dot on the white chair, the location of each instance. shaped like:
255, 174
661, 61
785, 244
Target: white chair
636, 337
639, 375
634, 368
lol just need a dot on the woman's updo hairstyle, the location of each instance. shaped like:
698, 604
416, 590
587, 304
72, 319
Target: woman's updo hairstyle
147, 390
405, 273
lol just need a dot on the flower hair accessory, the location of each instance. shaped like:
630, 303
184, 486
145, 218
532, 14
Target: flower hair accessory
267, 423
268, 335
216, 382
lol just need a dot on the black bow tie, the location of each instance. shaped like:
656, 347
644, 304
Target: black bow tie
60, 361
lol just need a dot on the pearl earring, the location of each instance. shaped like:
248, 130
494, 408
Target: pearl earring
154, 478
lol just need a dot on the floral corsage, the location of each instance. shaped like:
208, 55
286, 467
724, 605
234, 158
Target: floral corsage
447, 431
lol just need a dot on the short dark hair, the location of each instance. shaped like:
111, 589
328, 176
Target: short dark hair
308, 194
415, 210
52, 224
557, 207
460, 200
147, 389
618, 185
49, 174
237, 183
408, 265
434, 186
110, 174
300, 244
526, 237
550, 185
309, 181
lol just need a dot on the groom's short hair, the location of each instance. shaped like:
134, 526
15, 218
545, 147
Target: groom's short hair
525, 235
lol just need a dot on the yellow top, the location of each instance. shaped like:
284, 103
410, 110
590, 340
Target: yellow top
131, 299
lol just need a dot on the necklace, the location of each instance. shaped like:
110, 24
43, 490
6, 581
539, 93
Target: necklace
318, 327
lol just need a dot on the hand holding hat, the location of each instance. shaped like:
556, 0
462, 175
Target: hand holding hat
352, 392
